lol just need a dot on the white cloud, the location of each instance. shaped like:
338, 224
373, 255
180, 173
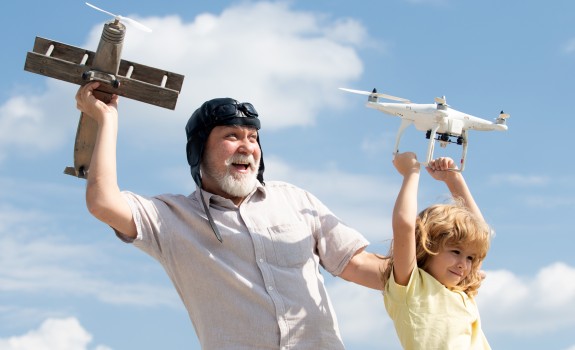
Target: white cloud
535, 304
550, 202
38, 123
288, 63
547, 199
37, 261
361, 316
519, 180
44, 267
61, 334
547, 282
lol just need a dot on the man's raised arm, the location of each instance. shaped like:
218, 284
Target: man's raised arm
103, 197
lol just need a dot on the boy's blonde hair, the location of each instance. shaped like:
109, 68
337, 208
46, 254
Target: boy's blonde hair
444, 225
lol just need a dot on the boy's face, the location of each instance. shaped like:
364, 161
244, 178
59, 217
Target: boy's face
452, 264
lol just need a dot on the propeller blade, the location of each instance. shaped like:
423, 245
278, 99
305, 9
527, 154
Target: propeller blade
368, 93
440, 100
99, 9
357, 91
122, 18
136, 24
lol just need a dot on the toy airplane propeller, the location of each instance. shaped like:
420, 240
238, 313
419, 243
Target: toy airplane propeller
118, 76
119, 18
439, 121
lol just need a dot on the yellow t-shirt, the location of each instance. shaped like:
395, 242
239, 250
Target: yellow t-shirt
429, 316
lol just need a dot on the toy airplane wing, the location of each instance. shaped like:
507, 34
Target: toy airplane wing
136, 81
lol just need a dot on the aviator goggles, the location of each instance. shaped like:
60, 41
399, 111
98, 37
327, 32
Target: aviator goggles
227, 111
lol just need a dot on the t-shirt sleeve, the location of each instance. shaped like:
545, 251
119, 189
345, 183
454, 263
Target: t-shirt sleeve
397, 294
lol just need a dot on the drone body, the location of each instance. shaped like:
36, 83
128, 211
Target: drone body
440, 122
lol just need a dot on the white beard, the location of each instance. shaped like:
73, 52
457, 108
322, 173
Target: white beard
237, 185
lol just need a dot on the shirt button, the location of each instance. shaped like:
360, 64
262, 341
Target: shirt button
261, 260
270, 287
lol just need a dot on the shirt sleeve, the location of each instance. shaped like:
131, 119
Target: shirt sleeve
337, 243
148, 222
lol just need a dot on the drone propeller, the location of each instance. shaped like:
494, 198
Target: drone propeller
502, 118
441, 103
121, 18
441, 100
376, 94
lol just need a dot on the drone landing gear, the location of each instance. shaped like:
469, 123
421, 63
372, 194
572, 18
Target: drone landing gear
444, 139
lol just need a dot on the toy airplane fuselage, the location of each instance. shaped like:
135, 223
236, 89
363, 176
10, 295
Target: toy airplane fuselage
440, 122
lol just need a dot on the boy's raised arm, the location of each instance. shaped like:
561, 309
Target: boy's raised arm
404, 217
438, 169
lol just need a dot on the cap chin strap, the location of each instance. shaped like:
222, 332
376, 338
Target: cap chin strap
210, 219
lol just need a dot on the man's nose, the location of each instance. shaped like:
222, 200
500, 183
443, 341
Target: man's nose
247, 146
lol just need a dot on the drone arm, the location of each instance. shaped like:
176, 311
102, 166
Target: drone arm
404, 124
464, 151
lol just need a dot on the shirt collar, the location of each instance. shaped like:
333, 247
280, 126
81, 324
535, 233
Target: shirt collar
209, 197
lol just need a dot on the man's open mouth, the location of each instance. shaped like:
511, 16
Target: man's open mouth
242, 166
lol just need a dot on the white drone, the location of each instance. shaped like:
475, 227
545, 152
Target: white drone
440, 122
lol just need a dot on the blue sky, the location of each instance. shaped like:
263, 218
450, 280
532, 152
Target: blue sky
64, 277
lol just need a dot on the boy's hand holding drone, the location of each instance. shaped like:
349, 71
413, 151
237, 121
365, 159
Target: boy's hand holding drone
406, 163
442, 169
442, 163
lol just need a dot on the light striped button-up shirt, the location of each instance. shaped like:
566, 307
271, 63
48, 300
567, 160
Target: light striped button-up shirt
262, 287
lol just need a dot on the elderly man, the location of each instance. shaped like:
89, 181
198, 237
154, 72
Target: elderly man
243, 254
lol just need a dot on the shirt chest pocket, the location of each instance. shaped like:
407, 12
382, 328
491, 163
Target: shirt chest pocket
292, 244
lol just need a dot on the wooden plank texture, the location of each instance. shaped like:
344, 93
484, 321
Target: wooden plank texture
144, 83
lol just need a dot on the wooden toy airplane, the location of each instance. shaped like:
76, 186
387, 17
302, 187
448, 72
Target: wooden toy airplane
121, 77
